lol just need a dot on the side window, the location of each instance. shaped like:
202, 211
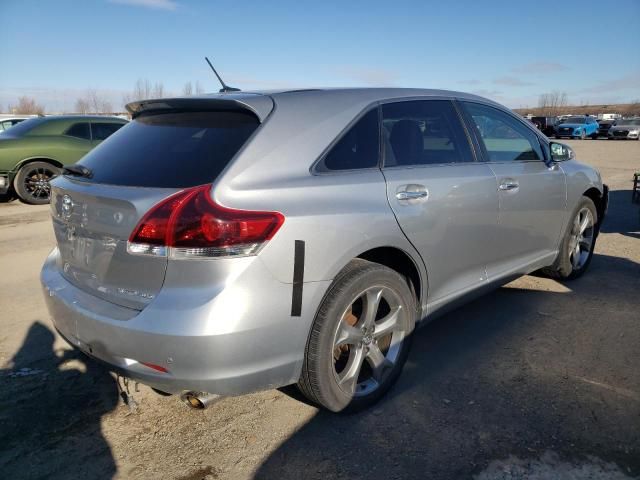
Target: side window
79, 130
358, 148
505, 138
101, 131
424, 132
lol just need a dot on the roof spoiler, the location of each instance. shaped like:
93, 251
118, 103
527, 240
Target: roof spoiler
259, 105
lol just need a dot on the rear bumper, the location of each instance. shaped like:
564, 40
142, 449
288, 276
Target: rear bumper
6, 179
228, 346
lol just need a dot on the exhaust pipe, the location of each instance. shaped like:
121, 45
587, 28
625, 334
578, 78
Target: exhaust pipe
199, 400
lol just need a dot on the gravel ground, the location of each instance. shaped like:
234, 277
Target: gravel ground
536, 380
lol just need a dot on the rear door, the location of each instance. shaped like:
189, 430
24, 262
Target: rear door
150, 158
532, 196
445, 202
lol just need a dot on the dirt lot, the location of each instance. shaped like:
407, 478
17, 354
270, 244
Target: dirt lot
536, 380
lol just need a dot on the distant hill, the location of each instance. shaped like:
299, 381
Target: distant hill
625, 109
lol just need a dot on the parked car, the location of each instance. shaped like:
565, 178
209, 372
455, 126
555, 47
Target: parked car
34, 151
627, 128
578, 127
6, 122
228, 243
604, 126
546, 125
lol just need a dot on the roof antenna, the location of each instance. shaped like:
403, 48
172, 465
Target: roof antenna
225, 88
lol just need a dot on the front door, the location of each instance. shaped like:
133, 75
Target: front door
532, 195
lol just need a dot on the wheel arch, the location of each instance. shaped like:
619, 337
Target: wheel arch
26, 161
599, 200
400, 261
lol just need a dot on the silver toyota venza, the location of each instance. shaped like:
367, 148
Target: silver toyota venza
234, 242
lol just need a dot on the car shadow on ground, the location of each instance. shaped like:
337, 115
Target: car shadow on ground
7, 197
51, 404
518, 372
623, 216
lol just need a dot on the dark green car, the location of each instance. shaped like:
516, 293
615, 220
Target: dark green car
34, 151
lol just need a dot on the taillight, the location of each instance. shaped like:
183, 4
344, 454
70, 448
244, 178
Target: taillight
189, 224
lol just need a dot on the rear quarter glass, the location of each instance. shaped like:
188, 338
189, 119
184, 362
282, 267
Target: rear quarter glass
170, 150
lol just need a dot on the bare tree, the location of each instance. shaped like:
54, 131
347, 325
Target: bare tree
552, 103
92, 102
82, 106
158, 90
27, 106
189, 89
143, 90
98, 104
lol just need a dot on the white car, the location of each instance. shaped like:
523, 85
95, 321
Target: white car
6, 122
628, 128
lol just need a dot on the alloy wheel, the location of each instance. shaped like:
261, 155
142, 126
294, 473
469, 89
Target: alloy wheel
36, 182
368, 340
581, 240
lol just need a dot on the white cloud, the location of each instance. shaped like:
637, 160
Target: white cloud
511, 81
541, 67
630, 81
483, 92
156, 4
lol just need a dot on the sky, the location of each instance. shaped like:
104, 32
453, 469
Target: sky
510, 51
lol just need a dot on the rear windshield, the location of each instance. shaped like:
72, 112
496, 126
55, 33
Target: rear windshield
170, 150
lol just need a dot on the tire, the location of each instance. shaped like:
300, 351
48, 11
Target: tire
594, 136
583, 135
569, 265
31, 183
345, 342
557, 137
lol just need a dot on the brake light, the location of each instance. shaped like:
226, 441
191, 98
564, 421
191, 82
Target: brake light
189, 224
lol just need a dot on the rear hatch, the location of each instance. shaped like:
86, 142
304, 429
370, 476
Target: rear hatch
162, 151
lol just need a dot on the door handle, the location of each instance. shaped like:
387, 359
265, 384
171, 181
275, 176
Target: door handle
508, 184
411, 195
412, 192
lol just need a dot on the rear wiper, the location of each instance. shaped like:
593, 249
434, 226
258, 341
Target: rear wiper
77, 170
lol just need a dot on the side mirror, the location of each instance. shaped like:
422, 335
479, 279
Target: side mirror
561, 152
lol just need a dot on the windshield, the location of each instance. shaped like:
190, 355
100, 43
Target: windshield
170, 150
23, 127
630, 122
574, 120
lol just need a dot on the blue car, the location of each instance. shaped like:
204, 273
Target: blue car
578, 127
